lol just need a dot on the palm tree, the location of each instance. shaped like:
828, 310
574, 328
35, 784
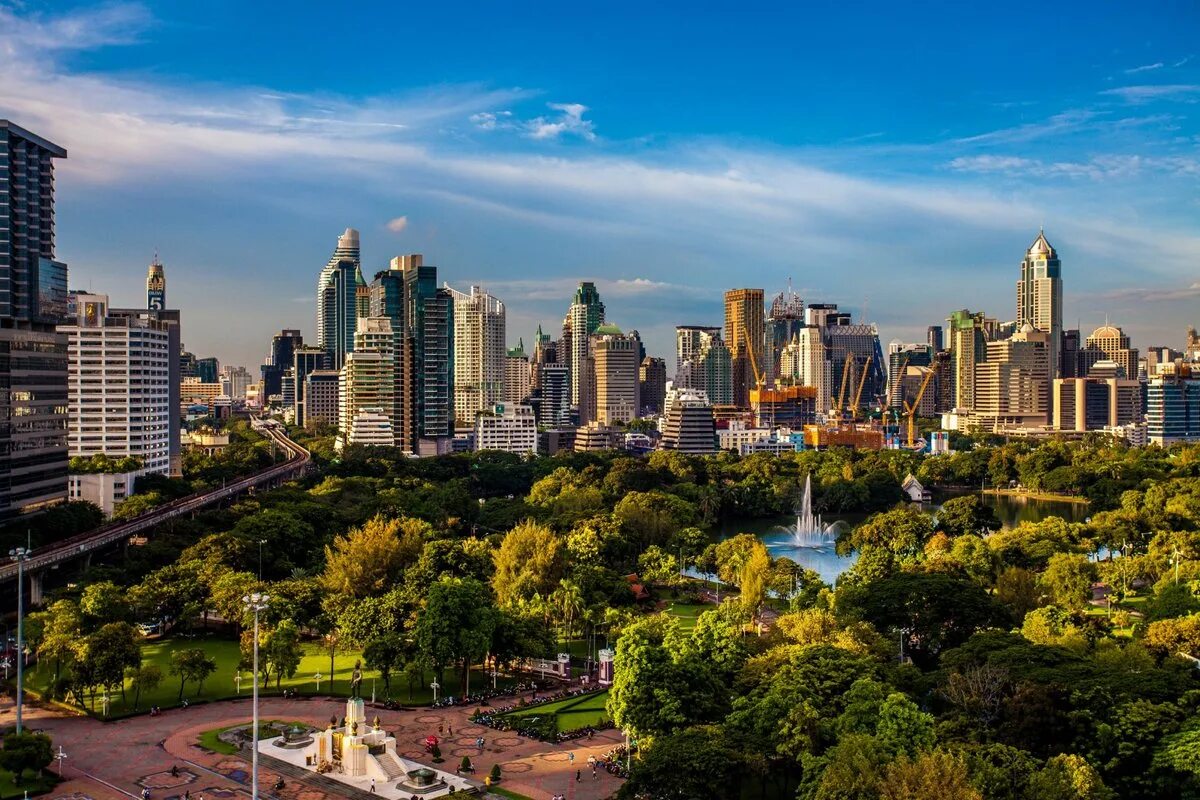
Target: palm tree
568, 600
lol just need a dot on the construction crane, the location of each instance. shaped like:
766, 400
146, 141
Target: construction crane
841, 398
759, 378
862, 380
911, 410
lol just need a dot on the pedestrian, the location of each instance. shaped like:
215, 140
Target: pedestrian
372, 786
577, 776
571, 756
450, 727
595, 775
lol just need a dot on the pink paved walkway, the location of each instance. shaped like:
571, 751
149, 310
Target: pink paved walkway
110, 761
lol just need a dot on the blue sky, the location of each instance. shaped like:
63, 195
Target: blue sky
894, 159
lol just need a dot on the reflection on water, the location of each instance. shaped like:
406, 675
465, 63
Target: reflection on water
783, 537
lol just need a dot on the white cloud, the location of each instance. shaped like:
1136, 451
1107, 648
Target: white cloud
1144, 68
398, 224
570, 121
492, 120
1142, 294
1188, 92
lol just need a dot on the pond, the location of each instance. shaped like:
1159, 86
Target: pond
814, 549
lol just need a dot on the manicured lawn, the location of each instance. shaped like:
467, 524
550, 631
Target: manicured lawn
496, 790
572, 713
687, 613
221, 683
210, 740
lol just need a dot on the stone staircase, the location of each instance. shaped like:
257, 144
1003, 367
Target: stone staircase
391, 766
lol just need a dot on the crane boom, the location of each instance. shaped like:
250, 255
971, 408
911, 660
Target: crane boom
841, 403
911, 410
862, 380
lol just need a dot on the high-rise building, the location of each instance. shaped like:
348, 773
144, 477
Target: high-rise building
1012, 385
208, 370
169, 319
585, 315
554, 408
306, 360
652, 379
338, 299
900, 357
617, 367
279, 360
479, 352
33, 355
968, 348
119, 395
1091, 404
934, 338
322, 390
1173, 410
368, 378
156, 286
744, 326
784, 321
856, 343
688, 426
518, 375
1109, 343
806, 361
234, 382
703, 361
1069, 356
1039, 296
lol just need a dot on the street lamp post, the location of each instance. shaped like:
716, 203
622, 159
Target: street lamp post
19, 554
255, 602
237, 681
435, 686
904, 632
60, 756
317, 676
6, 663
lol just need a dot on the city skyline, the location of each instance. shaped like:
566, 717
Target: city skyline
506, 181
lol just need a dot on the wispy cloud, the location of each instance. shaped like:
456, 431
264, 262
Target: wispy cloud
569, 121
398, 224
1097, 168
1143, 294
1144, 68
1188, 92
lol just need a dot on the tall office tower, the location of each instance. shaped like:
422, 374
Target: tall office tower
362, 296
1069, 355
427, 361
119, 396
279, 360
690, 343
306, 360
943, 381
652, 385
585, 315
813, 367
617, 368
156, 285
689, 426
338, 299
968, 348
169, 320
33, 299
518, 375
900, 357
744, 309
703, 361
554, 411
1109, 343
1039, 296
784, 321
934, 338
1173, 410
1191, 350
368, 379
208, 370
820, 315
855, 343
479, 336
1012, 386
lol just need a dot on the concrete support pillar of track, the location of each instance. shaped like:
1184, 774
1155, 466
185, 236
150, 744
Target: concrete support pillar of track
35, 588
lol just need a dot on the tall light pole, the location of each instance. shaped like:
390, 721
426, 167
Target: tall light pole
261, 542
255, 602
19, 555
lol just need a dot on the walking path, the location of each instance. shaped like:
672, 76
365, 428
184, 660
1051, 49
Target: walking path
116, 760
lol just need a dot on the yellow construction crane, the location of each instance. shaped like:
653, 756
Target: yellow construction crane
759, 378
862, 379
841, 398
911, 410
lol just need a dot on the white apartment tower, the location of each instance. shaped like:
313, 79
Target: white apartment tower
479, 353
368, 377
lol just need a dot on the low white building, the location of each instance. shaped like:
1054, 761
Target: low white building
773, 445
738, 434
510, 428
371, 427
105, 489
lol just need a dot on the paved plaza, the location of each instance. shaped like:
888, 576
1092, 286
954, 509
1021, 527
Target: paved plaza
116, 760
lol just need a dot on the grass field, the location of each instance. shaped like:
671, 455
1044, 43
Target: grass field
210, 740
687, 613
222, 684
572, 713
500, 792
43, 783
